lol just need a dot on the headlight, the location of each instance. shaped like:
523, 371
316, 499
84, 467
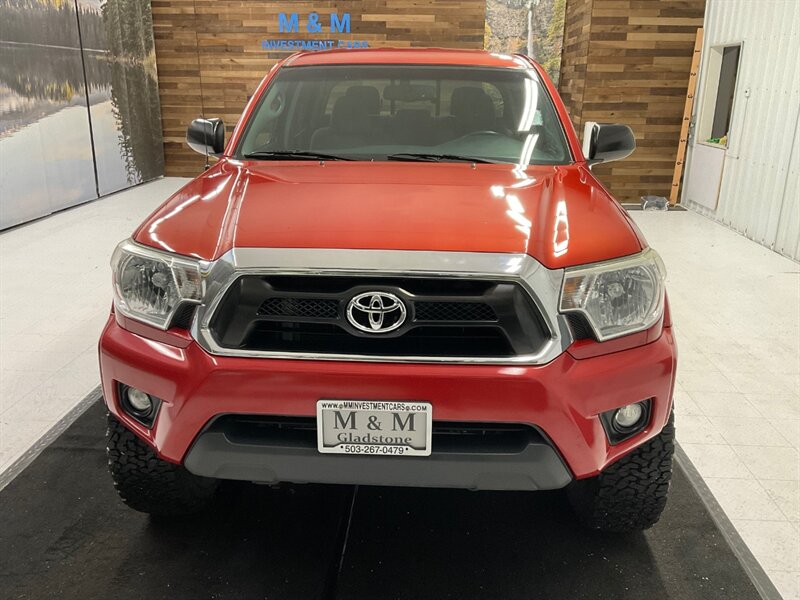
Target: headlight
617, 297
150, 286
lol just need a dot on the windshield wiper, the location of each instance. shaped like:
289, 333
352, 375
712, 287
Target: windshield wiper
430, 157
292, 155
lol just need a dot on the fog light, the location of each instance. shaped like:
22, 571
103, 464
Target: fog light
628, 416
626, 421
139, 405
139, 402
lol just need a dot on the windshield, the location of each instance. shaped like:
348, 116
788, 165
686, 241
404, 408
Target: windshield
401, 112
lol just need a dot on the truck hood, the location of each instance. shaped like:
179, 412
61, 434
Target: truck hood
559, 215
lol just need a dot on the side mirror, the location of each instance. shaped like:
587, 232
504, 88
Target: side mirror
206, 136
604, 143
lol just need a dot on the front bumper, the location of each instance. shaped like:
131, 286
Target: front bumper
562, 399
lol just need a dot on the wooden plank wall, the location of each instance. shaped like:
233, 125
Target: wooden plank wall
628, 61
574, 56
210, 59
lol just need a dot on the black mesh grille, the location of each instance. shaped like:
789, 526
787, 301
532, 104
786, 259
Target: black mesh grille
447, 436
430, 340
314, 308
183, 317
447, 317
453, 311
580, 328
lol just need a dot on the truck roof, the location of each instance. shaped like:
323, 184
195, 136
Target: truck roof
407, 56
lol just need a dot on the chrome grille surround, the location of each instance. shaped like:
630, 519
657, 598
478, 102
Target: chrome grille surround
542, 284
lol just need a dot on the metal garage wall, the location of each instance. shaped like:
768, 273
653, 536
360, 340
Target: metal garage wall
760, 189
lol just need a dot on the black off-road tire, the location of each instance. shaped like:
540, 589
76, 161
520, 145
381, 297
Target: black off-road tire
151, 485
631, 494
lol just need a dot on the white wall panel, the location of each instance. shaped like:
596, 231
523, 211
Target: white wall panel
760, 192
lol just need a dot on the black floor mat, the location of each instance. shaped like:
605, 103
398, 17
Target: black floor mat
64, 534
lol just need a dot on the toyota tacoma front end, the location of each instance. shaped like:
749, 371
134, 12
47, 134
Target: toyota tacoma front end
401, 271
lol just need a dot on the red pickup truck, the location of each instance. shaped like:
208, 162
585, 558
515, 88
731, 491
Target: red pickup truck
400, 271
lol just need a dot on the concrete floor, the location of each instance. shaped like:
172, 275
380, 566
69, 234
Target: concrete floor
735, 305
736, 308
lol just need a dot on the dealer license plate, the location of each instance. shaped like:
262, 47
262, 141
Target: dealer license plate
374, 427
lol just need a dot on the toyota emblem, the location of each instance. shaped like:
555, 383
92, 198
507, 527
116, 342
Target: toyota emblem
376, 312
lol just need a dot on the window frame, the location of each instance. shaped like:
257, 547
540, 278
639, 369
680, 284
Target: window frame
707, 105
